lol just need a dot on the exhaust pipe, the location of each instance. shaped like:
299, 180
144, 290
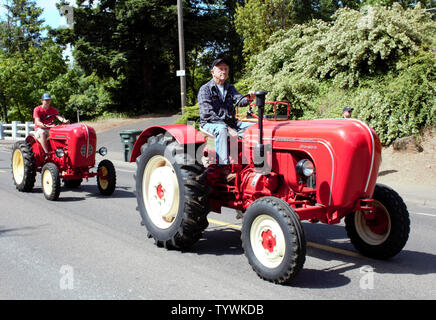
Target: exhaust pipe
259, 154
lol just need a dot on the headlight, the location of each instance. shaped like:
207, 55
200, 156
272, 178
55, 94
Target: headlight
60, 152
102, 151
305, 168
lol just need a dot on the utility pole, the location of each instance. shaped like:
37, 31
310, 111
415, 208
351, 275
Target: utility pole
8, 8
182, 72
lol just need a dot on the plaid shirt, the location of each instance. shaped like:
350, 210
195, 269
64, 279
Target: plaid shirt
212, 107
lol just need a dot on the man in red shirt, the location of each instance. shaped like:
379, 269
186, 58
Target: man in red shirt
44, 116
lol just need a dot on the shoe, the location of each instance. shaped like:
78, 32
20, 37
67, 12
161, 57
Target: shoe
202, 178
231, 176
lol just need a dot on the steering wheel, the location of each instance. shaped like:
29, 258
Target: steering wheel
240, 99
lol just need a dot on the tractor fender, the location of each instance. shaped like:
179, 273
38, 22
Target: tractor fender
184, 134
38, 152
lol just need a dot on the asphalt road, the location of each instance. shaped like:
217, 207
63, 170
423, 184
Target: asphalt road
86, 246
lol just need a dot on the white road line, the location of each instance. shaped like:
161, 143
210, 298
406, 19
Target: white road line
425, 214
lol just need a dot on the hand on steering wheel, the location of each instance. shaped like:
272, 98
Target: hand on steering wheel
251, 96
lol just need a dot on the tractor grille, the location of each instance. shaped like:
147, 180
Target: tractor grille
311, 181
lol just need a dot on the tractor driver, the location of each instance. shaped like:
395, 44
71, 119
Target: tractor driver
44, 116
217, 113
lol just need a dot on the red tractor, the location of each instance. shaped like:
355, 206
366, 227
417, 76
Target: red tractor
285, 172
70, 158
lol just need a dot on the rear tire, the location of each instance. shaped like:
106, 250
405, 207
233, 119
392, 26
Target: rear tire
23, 166
273, 240
385, 235
50, 181
172, 204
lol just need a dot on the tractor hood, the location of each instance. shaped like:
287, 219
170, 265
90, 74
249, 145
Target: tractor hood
79, 140
346, 154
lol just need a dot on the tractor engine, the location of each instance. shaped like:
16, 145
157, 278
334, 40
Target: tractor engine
255, 184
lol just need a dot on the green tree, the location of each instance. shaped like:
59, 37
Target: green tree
210, 32
23, 26
133, 45
257, 20
404, 3
24, 76
20, 42
26, 71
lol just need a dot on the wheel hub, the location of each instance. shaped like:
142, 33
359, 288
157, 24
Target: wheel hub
103, 178
160, 191
268, 241
380, 223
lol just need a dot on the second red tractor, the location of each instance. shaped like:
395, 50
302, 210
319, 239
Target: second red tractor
70, 159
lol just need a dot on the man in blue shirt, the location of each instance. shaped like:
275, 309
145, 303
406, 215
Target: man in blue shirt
216, 100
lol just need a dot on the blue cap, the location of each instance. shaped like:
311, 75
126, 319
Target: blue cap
46, 96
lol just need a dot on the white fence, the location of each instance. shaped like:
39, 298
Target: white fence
15, 130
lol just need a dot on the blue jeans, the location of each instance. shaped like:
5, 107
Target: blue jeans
221, 133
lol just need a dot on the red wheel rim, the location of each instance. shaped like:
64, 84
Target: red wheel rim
380, 223
268, 240
160, 192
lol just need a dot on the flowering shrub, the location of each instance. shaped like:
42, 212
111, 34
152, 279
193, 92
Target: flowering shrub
378, 60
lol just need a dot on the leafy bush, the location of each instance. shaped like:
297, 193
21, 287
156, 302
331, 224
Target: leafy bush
378, 60
400, 104
190, 115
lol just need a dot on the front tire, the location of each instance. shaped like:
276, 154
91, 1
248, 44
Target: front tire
23, 166
386, 234
172, 204
273, 240
50, 181
106, 178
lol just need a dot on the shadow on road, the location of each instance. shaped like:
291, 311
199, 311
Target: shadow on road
89, 191
219, 241
405, 262
226, 241
120, 192
321, 279
15, 232
386, 172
